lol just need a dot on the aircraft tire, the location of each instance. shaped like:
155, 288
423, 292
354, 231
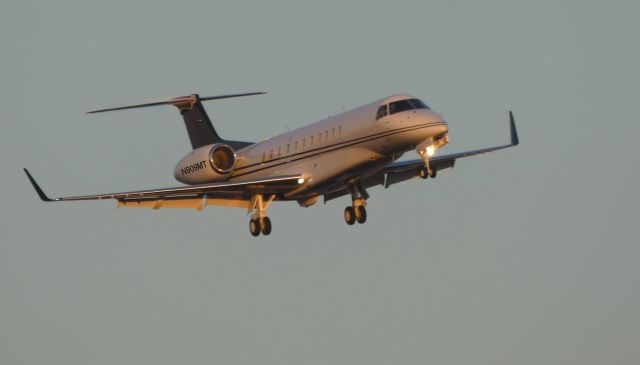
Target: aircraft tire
423, 173
265, 227
254, 227
349, 215
361, 215
433, 173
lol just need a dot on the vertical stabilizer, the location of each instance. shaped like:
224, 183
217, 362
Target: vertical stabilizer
199, 126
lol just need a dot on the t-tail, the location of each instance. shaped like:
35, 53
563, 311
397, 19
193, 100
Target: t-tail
199, 126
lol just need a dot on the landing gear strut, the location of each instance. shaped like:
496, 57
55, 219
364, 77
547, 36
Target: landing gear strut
357, 211
259, 222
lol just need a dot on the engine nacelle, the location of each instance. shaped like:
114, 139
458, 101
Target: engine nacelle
307, 202
206, 164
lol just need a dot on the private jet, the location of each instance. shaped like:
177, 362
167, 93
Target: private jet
345, 154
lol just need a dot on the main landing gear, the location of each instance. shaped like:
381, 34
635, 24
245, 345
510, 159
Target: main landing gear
357, 211
259, 222
257, 226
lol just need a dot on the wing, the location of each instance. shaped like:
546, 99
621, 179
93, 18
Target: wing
230, 193
405, 170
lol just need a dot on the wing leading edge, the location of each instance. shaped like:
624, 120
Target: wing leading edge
404, 170
187, 196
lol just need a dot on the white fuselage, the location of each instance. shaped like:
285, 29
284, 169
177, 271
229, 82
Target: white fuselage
355, 142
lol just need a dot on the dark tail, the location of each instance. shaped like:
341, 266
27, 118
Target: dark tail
199, 126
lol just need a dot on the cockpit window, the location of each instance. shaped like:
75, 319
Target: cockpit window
418, 104
407, 104
400, 106
382, 111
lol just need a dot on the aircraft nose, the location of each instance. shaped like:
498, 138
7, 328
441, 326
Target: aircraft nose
443, 127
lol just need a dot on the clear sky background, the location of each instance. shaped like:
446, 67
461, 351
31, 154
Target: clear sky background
524, 256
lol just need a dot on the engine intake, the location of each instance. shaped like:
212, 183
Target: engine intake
222, 158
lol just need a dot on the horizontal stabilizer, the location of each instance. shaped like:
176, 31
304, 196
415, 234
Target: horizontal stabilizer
182, 100
199, 127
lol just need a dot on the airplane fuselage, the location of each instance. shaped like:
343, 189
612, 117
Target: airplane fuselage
356, 143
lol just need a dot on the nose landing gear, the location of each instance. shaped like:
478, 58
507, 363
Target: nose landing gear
426, 149
426, 172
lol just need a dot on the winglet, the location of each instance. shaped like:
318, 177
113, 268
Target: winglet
41, 193
514, 133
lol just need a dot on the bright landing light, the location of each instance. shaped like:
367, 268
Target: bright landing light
300, 181
430, 151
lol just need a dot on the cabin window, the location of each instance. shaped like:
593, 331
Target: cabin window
264, 155
288, 147
326, 134
311, 141
304, 142
339, 130
279, 151
295, 145
333, 132
270, 154
319, 137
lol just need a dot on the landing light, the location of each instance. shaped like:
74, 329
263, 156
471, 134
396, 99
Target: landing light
300, 181
430, 151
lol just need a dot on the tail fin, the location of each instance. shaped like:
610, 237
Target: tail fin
199, 127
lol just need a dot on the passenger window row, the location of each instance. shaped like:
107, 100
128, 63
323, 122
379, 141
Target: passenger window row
275, 154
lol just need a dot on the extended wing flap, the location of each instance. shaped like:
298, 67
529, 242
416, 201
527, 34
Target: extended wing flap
190, 203
193, 203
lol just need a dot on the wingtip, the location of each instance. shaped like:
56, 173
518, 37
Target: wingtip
514, 132
40, 192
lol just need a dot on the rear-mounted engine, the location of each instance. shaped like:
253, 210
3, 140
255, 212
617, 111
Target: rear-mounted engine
206, 164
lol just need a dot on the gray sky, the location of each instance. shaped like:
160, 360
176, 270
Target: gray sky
526, 256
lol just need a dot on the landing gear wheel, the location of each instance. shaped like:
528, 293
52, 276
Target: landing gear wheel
433, 173
361, 214
424, 173
265, 227
349, 215
254, 227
